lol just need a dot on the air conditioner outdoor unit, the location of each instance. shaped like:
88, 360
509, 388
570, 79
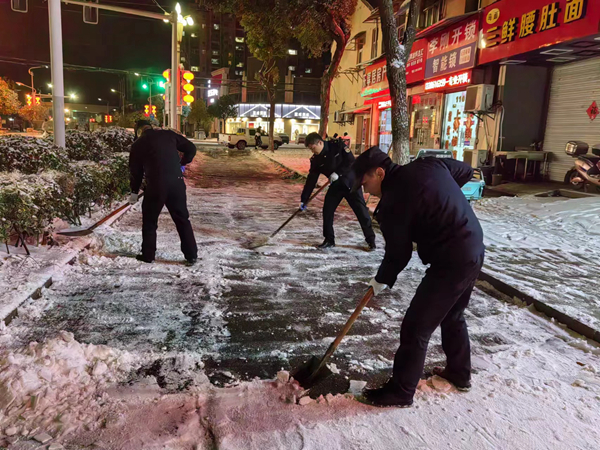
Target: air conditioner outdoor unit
348, 118
337, 117
479, 98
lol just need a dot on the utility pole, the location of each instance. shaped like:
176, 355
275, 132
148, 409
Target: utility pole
56, 62
174, 120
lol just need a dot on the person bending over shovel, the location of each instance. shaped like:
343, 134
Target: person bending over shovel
333, 160
155, 155
422, 202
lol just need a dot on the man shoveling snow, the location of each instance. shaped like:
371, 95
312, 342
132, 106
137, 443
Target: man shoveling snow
422, 202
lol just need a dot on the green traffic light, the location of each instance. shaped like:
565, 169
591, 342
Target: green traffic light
145, 86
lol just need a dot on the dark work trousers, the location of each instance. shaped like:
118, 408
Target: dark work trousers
174, 198
336, 192
441, 299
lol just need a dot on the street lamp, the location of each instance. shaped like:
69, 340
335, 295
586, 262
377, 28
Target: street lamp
33, 91
73, 96
122, 98
107, 102
31, 73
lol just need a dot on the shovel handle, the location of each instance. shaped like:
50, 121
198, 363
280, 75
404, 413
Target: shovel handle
298, 210
368, 296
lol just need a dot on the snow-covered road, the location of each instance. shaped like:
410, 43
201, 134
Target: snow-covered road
153, 345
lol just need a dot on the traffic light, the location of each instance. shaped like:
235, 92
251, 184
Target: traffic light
147, 110
145, 86
38, 100
28, 100
108, 118
154, 110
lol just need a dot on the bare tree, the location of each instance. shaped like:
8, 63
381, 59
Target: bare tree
397, 57
317, 24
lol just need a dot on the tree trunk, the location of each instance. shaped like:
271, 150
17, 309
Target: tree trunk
397, 56
271, 120
341, 39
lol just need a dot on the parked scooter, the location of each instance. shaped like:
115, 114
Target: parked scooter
587, 166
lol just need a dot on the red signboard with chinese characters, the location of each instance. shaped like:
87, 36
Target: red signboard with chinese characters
448, 82
415, 67
453, 49
513, 27
375, 78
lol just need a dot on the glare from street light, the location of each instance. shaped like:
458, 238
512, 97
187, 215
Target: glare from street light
189, 20
136, 74
99, 99
20, 84
73, 96
50, 85
178, 8
112, 90
145, 86
66, 110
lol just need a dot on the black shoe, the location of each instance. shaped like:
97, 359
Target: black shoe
143, 259
460, 385
326, 244
372, 246
386, 396
191, 261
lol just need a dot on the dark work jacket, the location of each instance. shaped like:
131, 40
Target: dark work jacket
333, 158
156, 155
422, 202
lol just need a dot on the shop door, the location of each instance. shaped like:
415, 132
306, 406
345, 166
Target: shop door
574, 88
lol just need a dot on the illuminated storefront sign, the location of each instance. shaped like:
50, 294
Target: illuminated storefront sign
213, 92
452, 50
512, 28
451, 81
385, 104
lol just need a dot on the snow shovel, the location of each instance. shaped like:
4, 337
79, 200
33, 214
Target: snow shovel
84, 231
315, 370
264, 240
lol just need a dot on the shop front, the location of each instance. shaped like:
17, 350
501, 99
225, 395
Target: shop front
292, 120
376, 92
438, 118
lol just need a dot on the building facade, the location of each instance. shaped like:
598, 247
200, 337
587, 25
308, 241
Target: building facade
531, 54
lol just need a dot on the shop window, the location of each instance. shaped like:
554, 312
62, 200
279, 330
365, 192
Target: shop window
214, 61
195, 69
239, 39
360, 45
215, 52
291, 51
292, 68
216, 26
374, 42
308, 71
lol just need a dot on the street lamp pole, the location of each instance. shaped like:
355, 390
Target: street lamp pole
174, 122
56, 64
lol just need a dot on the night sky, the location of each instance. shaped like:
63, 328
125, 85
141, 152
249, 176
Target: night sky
118, 42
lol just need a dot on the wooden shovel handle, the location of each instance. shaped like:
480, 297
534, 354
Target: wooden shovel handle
368, 296
112, 214
298, 210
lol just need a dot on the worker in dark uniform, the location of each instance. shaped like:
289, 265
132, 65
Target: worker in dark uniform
333, 160
422, 202
155, 155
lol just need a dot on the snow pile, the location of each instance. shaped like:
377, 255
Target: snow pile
54, 386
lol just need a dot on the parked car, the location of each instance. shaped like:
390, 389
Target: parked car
301, 139
284, 137
13, 122
245, 138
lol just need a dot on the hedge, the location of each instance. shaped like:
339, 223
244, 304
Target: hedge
40, 182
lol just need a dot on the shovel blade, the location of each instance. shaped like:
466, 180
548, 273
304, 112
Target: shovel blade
75, 232
256, 243
307, 374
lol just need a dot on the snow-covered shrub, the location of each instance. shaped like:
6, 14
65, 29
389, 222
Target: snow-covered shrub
30, 203
85, 146
30, 155
117, 139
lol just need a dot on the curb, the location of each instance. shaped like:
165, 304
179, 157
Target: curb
570, 322
11, 310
